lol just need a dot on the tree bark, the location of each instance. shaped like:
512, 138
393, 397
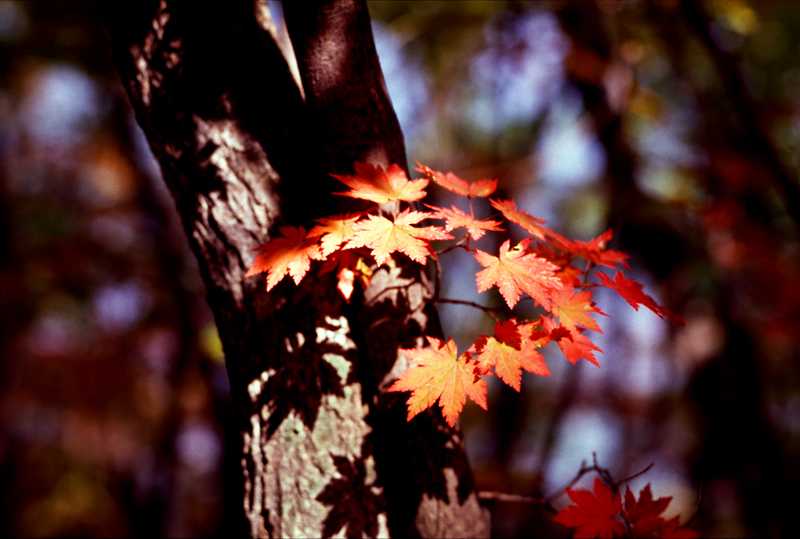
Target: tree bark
325, 450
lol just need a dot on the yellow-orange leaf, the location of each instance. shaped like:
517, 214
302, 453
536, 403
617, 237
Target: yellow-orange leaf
509, 353
451, 182
573, 309
440, 375
379, 186
456, 218
515, 272
291, 254
334, 231
384, 237
532, 224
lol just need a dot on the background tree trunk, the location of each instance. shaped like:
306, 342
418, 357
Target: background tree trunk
243, 149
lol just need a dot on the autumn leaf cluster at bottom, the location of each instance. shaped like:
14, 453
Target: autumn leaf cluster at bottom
602, 514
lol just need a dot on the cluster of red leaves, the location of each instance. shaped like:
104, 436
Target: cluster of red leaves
602, 513
539, 267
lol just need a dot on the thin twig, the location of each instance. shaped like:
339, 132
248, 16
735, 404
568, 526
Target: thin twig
637, 474
699, 503
455, 245
604, 474
487, 310
511, 498
547, 503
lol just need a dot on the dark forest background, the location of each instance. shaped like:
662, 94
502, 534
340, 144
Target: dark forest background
677, 123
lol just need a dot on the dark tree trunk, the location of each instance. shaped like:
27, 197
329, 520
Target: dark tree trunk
244, 150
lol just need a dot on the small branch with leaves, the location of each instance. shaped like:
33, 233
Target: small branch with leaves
541, 267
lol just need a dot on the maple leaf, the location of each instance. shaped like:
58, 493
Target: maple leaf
451, 182
632, 292
515, 272
671, 529
644, 516
533, 334
570, 276
334, 231
595, 251
573, 309
456, 218
291, 254
531, 224
579, 346
509, 354
574, 344
441, 374
594, 514
372, 183
384, 237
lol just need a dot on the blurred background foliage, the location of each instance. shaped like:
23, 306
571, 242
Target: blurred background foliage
677, 123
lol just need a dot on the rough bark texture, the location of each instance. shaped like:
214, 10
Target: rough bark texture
325, 450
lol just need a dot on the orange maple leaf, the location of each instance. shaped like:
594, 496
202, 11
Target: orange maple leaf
384, 237
455, 218
451, 182
594, 514
579, 346
334, 231
515, 272
595, 251
633, 293
291, 254
379, 186
570, 276
441, 374
531, 224
574, 344
573, 309
509, 353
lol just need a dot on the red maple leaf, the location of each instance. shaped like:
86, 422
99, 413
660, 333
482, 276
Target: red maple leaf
570, 276
372, 183
384, 237
456, 218
644, 516
509, 353
573, 309
595, 251
451, 182
574, 344
579, 346
441, 374
515, 272
671, 529
632, 292
594, 514
291, 254
532, 224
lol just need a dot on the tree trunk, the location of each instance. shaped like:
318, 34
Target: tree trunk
325, 450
